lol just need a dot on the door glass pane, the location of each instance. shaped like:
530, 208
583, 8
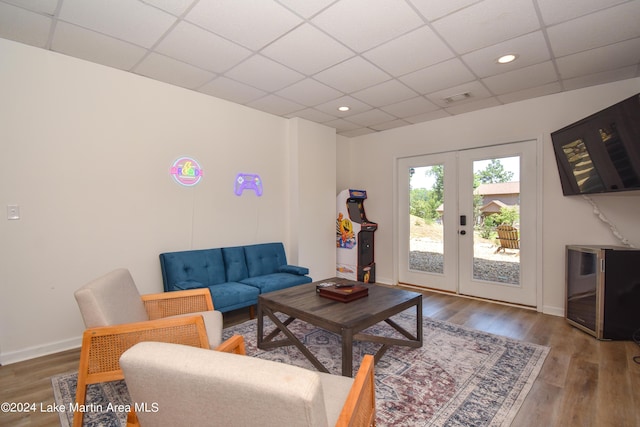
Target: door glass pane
496, 212
426, 200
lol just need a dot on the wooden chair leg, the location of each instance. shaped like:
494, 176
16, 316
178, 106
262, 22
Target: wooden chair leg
132, 419
252, 314
81, 385
81, 395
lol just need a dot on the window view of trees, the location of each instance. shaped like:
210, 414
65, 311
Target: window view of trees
425, 202
428, 203
493, 173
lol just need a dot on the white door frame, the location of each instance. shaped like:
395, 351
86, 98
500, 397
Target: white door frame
523, 292
538, 216
448, 280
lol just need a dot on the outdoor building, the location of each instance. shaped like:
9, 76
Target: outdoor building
497, 196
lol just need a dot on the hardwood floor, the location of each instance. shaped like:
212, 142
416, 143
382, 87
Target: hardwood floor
584, 382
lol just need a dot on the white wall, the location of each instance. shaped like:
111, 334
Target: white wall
566, 220
313, 181
86, 152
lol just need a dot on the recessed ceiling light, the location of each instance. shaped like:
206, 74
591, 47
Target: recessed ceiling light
505, 59
343, 108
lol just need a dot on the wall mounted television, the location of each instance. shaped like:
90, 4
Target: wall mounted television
601, 153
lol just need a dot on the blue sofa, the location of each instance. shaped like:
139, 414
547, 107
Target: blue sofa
235, 275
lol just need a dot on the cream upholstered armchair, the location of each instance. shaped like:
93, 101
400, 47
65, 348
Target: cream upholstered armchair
117, 317
183, 385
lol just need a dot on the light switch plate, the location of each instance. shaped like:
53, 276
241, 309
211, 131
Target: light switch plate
13, 212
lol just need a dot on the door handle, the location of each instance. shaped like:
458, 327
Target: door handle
463, 232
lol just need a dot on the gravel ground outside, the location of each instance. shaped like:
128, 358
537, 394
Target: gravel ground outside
426, 255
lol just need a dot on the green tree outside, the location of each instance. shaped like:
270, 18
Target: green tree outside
425, 202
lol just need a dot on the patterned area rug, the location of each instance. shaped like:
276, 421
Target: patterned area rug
459, 377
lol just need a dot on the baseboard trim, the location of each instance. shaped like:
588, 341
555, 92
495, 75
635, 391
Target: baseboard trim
38, 351
554, 311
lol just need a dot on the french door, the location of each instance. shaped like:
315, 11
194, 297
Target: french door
450, 208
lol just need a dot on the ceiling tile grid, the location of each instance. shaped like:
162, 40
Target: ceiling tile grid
391, 62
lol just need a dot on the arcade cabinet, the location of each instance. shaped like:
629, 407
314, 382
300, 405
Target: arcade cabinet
354, 238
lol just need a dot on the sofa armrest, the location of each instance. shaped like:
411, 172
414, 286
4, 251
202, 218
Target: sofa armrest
293, 269
167, 304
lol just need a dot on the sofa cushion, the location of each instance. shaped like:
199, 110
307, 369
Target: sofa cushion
235, 263
233, 295
276, 281
205, 266
265, 258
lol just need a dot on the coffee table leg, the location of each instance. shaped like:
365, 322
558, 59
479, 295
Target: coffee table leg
347, 352
281, 327
260, 326
419, 321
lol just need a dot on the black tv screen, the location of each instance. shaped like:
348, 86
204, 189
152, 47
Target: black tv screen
601, 153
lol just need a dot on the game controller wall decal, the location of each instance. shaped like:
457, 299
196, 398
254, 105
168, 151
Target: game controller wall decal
248, 181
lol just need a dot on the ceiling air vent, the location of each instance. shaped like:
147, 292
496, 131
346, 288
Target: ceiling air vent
457, 97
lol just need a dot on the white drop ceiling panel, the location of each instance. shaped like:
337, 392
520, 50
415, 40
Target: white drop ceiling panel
294, 50
410, 107
378, 21
371, 117
555, 11
530, 93
393, 62
522, 78
600, 78
251, 23
174, 7
81, 43
172, 71
309, 92
473, 106
128, 20
306, 8
231, 90
486, 23
23, 26
437, 77
202, 48
264, 74
610, 57
425, 117
313, 115
413, 51
386, 93
44, 6
275, 105
352, 75
586, 33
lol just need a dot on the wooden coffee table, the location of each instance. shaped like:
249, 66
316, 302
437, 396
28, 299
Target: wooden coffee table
345, 319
